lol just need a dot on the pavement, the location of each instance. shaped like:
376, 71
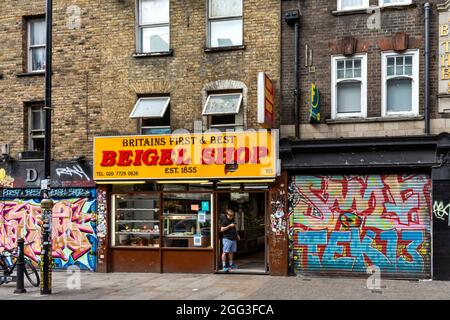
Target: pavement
169, 286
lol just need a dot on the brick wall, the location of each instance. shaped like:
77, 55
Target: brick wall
97, 79
320, 29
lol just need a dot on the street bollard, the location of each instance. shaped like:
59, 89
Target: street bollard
20, 285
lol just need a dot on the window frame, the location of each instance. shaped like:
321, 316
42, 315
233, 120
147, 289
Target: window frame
210, 19
31, 131
381, 3
415, 82
164, 110
30, 47
334, 82
140, 119
239, 104
237, 115
366, 5
140, 30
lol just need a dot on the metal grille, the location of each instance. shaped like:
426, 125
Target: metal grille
353, 224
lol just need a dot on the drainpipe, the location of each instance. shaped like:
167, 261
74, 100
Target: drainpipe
292, 18
427, 68
297, 81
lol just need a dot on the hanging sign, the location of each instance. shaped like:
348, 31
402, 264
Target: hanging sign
314, 102
266, 101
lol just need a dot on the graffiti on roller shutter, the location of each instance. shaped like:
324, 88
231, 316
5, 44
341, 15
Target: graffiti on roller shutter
73, 230
348, 223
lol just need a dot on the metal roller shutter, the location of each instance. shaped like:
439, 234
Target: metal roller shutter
344, 224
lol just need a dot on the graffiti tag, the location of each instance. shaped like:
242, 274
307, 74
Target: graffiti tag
440, 211
71, 171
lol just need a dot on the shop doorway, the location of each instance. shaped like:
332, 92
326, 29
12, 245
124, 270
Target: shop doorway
251, 221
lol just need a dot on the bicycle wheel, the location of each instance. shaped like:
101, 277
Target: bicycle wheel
31, 274
2, 273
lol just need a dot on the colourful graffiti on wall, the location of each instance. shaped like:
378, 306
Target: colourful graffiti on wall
349, 223
73, 230
5, 180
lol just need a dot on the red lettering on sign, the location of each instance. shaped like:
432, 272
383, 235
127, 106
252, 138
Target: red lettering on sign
166, 157
150, 157
124, 158
109, 159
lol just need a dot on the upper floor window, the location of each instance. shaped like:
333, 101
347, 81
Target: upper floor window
393, 2
36, 127
36, 45
153, 115
349, 86
225, 111
400, 83
225, 23
153, 26
352, 4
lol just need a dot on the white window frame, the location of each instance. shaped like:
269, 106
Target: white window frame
32, 132
382, 3
140, 29
238, 113
365, 5
163, 112
335, 81
415, 83
30, 47
238, 107
224, 18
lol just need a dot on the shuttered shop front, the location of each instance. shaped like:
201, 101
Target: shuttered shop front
355, 224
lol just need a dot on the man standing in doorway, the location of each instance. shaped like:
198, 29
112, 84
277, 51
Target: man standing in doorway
229, 241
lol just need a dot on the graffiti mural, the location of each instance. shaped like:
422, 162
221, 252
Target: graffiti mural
73, 230
350, 223
5, 180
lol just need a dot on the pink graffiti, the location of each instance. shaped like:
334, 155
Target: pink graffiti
392, 201
69, 228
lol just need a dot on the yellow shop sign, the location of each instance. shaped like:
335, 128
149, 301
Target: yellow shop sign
251, 154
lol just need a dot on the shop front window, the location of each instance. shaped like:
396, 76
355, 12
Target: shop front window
136, 220
187, 219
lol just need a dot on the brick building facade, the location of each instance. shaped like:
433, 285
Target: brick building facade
360, 166
99, 75
110, 58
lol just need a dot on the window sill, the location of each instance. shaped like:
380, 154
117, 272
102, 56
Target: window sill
374, 119
370, 10
220, 49
153, 54
31, 74
349, 12
398, 6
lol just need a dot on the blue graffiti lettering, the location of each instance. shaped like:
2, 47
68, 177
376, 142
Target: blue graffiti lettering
362, 251
312, 239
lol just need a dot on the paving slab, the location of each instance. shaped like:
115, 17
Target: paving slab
155, 286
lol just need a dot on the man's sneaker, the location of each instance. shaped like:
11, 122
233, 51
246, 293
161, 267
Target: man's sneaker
233, 266
225, 269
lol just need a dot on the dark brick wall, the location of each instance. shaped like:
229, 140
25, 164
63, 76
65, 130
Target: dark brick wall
319, 27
